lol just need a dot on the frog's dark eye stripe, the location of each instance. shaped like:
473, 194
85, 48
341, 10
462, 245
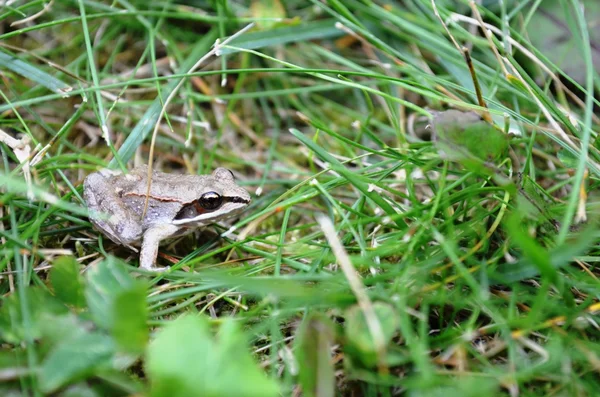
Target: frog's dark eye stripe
240, 200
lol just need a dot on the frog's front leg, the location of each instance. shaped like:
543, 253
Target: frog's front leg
107, 211
152, 238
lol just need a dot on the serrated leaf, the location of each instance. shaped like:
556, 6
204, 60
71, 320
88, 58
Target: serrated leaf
75, 358
186, 360
67, 281
359, 334
313, 352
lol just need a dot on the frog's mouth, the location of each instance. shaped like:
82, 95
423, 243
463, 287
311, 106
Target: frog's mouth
198, 216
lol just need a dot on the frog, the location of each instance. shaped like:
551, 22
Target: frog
178, 204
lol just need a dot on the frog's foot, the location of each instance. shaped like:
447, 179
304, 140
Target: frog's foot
156, 269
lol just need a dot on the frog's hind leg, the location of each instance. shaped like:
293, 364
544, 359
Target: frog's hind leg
108, 213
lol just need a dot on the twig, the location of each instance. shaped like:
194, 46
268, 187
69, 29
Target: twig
364, 302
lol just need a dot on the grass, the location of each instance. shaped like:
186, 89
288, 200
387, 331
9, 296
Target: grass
372, 261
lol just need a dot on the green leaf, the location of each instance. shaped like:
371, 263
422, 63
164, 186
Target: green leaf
313, 352
80, 390
463, 386
33, 73
67, 281
18, 186
75, 358
105, 281
186, 360
57, 328
568, 159
359, 335
39, 306
117, 302
130, 319
322, 29
466, 138
267, 13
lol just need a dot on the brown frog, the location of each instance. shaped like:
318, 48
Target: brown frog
178, 205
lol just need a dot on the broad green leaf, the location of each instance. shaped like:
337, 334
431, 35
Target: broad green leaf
80, 390
117, 303
359, 334
186, 360
67, 281
105, 280
56, 328
466, 138
568, 159
15, 327
130, 317
313, 352
14, 359
231, 342
74, 359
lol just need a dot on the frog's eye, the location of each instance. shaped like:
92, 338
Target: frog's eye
210, 200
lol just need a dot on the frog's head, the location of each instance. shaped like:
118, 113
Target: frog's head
220, 198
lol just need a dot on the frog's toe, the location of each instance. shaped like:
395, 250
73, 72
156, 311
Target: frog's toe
154, 269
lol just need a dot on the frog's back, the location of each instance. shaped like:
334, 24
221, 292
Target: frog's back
166, 187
